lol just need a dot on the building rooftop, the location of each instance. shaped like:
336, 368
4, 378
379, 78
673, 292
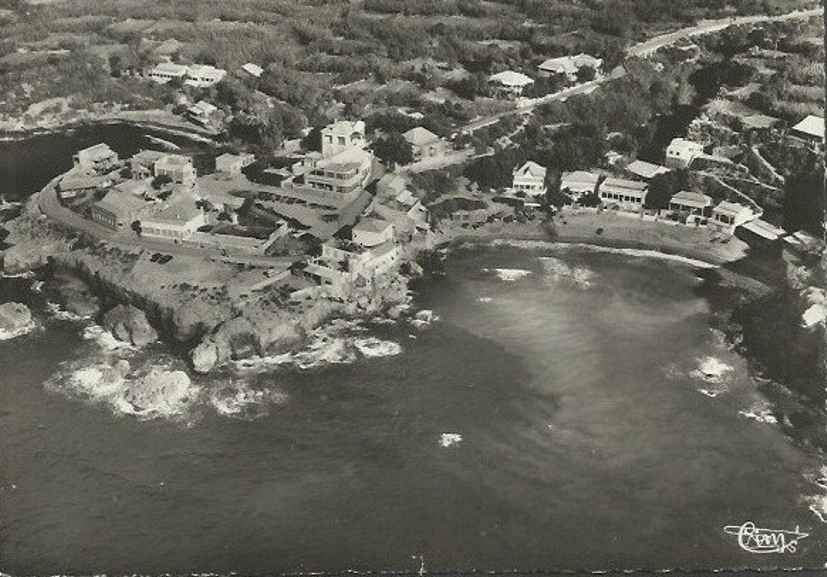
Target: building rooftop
98, 152
204, 70
730, 208
695, 199
149, 156
203, 108
420, 136
684, 145
171, 68
347, 159
531, 169
174, 160
623, 186
79, 182
511, 78
369, 224
121, 203
645, 169
570, 64
764, 229
812, 126
180, 211
253, 69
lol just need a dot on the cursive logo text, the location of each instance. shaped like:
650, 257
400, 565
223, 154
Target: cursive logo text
757, 540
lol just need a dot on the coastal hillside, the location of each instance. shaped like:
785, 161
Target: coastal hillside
84, 49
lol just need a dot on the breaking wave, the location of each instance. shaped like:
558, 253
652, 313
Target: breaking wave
558, 271
239, 399
509, 274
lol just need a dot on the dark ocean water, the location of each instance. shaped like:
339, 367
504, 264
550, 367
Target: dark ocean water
585, 440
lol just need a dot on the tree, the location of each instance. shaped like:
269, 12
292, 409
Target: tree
585, 74
393, 150
313, 140
115, 65
664, 186
804, 201
161, 181
136, 226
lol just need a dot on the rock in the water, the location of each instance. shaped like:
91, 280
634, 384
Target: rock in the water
15, 320
160, 391
205, 357
129, 324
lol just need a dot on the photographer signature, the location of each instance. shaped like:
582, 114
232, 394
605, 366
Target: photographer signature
756, 540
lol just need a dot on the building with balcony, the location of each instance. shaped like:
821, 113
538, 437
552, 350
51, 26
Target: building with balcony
626, 194
681, 152
530, 180
344, 174
177, 167
691, 206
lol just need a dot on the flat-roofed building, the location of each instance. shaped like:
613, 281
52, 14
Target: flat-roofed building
142, 164
626, 194
177, 167
117, 210
203, 75
645, 170
74, 184
253, 70
728, 216
202, 112
369, 232
99, 158
341, 135
167, 71
346, 173
233, 163
681, 152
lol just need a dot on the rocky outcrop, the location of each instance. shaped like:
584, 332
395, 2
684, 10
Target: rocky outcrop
76, 297
15, 320
129, 324
160, 391
205, 356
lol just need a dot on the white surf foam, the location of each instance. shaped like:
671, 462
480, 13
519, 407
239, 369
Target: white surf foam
558, 271
449, 439
56, 311
509, 274
371, 347
105, 339
760, 412
7, 335
711, 370
238, 399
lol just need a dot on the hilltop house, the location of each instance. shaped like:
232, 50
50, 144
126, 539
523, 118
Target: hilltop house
343, 262
530, 179
627, 194
233, 164
511, 83
117, 210
810, 129
569, 66
727, 216
98, 158
690, 206
681, 152
340, 136
425, 144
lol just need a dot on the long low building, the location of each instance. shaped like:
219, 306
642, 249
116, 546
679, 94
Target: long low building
627, 194
117, 210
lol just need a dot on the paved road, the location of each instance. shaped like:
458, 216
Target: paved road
640, 50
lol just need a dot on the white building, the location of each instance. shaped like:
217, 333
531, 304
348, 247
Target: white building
202, 112
370, 232
346, 173
530, 179
511, 82
340, 136
203, 75
99, 158
569, 66
579, 183
343, 262
727, 216
425, 144
645, 170
142, 164
692, 205
175, 223
681, 152
810, 129
177, 167
233, 163
253, 70
626, 194
166, 71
